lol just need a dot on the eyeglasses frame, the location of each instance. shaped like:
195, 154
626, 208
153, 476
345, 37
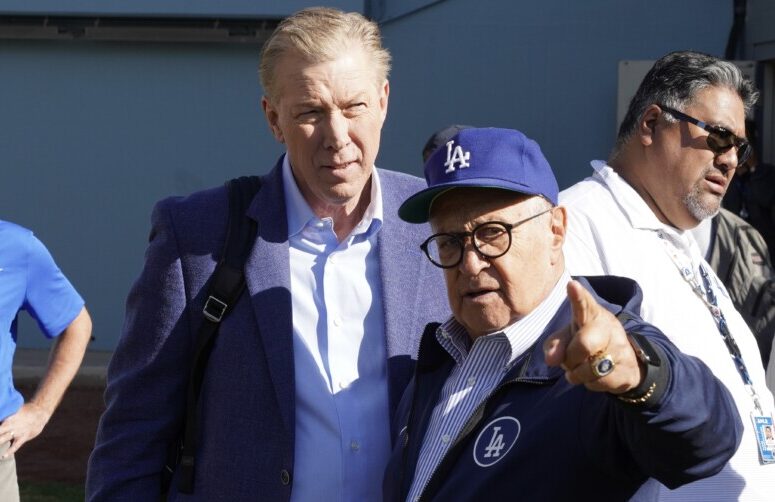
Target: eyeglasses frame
462, 236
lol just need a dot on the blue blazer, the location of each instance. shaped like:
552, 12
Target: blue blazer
245, 446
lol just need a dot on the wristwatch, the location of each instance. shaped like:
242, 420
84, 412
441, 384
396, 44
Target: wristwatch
644, 394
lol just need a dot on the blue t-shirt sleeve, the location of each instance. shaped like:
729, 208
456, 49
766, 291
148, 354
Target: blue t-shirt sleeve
49, 297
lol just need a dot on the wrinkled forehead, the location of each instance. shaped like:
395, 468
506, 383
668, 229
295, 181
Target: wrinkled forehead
297, 75
463, 207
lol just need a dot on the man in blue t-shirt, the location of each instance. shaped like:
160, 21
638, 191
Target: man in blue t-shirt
31, 281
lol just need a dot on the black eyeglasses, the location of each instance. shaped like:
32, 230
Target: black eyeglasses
491, 239
719, 140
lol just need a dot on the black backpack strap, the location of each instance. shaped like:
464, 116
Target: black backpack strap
226, 286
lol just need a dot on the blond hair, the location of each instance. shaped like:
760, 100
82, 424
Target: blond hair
320, 34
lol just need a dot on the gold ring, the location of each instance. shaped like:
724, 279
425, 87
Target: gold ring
602, 365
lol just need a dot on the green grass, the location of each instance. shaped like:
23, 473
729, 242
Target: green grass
49, 491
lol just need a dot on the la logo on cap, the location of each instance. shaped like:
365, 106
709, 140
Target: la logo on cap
456, 156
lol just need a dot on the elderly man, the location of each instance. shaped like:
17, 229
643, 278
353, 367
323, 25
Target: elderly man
539, 386
307, 369
678, 147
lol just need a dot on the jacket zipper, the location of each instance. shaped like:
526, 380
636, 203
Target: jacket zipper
405, 430
464, 431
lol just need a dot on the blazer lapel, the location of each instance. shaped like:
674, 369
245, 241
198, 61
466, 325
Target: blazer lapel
400, 272
401, 269
267, 277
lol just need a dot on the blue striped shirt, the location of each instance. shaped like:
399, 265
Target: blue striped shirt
479, 369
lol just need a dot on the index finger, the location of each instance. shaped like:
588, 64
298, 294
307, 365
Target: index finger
582, 304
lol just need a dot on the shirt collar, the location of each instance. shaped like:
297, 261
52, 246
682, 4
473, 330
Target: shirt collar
300, 214
635, 208
632, 204
521, 335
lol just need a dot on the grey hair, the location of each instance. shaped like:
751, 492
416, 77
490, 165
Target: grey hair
320, 34
674, 81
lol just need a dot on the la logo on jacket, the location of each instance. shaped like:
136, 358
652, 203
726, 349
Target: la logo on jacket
495, 440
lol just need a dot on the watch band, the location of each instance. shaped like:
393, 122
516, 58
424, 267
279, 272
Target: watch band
652, 387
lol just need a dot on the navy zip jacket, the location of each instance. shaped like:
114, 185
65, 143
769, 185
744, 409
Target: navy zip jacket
557, 441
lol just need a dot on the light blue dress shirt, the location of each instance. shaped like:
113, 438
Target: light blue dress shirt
342, 417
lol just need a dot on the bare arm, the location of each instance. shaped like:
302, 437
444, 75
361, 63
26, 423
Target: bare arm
66, 356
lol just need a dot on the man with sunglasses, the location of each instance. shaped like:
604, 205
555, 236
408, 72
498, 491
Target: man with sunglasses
535, 375
678, 146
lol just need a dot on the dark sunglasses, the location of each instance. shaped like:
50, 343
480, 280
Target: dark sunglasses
719, 139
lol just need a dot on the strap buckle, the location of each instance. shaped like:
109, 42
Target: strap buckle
214, 309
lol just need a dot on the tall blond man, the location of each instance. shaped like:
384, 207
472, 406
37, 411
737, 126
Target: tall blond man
307, 369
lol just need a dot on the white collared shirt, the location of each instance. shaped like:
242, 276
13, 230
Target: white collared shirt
611, 230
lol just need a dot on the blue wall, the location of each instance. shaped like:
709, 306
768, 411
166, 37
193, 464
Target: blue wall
547, 68
183, 8
94, 132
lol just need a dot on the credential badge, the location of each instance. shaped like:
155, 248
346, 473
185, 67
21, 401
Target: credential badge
495, 440
456, 155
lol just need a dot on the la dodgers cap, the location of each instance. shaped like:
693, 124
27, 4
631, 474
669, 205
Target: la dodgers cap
486, 158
